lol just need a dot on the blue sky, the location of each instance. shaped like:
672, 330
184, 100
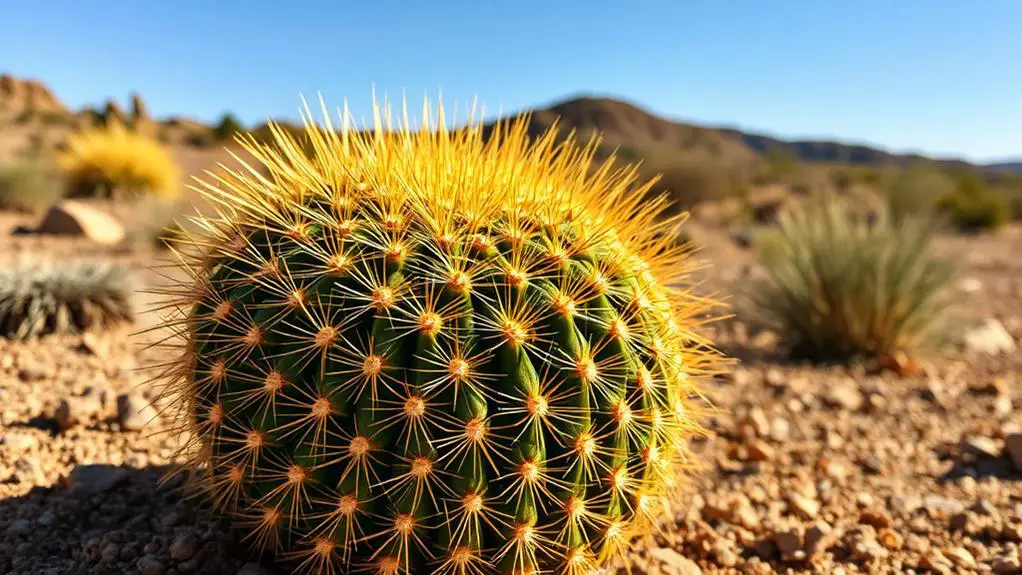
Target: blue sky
940, 76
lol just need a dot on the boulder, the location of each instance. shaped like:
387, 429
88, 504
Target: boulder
75, 218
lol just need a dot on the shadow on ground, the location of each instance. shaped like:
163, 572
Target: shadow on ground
110, 519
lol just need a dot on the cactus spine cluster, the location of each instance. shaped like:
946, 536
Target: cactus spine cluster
426, 351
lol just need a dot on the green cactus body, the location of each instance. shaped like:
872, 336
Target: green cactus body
390, 381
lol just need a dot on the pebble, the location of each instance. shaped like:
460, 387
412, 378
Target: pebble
18, 527
979, 446
184, 546
845, 396
805, 506
674, 563
74, 411
1013, 445
149, 565
134, 412
961, 557
92, 479
760, 451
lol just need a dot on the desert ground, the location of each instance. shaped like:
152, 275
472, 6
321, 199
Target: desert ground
807, 469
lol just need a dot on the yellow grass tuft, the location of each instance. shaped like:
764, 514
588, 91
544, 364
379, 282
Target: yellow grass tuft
116, 162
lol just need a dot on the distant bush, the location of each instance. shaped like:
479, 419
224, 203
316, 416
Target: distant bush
116, 162
914, 191
971, 207
28, 187
841, 287
690, 182
227, 127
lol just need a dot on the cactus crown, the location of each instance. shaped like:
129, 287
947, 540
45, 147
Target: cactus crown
419, 350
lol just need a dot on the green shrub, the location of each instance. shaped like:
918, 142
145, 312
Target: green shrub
28, 187
971, 207
227, 127
840, 287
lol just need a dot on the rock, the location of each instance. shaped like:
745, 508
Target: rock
1013, 445
977, 446
1007, 564
71, 217
775, 378
789, 543
18, 527
876, 517
970, 285
34, 372
990, 338
937, 505
818, 538
150, 565
134, 412
961, 557
723, 551
92, 479
17, 442
759, 422
780, 429
936, 561
184, 546
845, 396
805, 506
760, 451
890, 539
76, 410
674, 563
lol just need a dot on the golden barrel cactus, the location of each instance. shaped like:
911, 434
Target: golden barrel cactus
423, 350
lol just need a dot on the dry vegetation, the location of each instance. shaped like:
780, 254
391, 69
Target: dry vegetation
902, 453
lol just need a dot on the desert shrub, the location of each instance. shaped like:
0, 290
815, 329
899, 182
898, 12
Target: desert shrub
690, 182
117, 162
914, 191
840, 287
227, 127
970, 206
28, 187
64, 297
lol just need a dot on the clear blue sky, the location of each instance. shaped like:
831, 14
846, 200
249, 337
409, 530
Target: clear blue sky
943, 76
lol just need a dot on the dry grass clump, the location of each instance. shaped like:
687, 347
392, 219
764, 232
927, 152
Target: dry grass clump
840, 287
28, 187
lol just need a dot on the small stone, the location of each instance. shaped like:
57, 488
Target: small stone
845, 396
890, 539
970, 285
759, 422
184, 546
92, 479
674, 563
760, 451
134, 412
937, 505
876, 517
18, 527
984, 507
977, 446
780, 429
17, 442
961, 557
1003, 405
724, 552
805, 506
149, 565
872, 464
936, 561
789, 542
74, 411
46, 519
1013, 445
818, 538
111, 553
1007, 564
990, 338
34, 372
775, 378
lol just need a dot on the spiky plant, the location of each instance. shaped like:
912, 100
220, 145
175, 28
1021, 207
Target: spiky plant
419, 351
841, 286
64, 297
114, 161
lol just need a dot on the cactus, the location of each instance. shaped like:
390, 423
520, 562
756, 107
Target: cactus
425, 351
69, 297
